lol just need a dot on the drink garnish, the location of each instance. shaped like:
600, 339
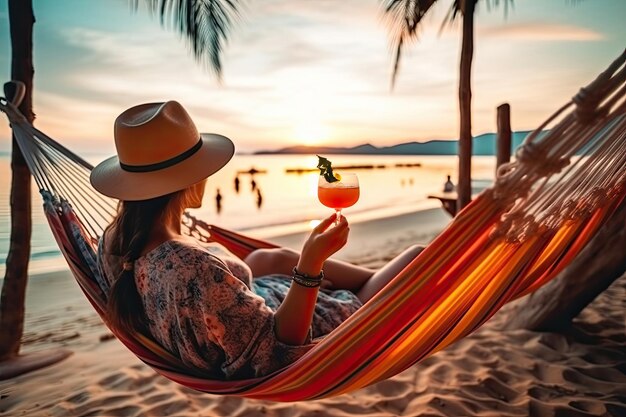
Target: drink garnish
326, 170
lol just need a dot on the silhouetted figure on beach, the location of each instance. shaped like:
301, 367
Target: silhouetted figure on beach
218, 201
448, 186
259, 198
253, 185
411, 181
237, 184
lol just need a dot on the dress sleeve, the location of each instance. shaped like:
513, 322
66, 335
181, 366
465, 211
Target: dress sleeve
237, 320
236, 266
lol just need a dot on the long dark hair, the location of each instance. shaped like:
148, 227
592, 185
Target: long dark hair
132, 226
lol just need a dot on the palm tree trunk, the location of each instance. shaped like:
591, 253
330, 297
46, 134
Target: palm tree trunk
22, 19
464, 188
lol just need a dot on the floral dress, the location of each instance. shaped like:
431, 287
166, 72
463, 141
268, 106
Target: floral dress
203, 306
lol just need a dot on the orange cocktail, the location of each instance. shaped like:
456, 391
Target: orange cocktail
338, 197
341, 193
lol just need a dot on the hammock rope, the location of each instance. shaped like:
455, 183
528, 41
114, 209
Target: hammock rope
513, 238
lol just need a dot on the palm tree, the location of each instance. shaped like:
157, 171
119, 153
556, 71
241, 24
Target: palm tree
406, 16
14, 288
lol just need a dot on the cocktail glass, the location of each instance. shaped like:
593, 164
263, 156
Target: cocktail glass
339, 194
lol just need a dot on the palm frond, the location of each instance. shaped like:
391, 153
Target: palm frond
404, 17
492, 4
204, 23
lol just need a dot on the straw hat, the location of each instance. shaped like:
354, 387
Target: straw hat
159, 151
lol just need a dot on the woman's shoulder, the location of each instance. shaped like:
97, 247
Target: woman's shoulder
176, 248
187, 254
185, 266
178, 264
237, 267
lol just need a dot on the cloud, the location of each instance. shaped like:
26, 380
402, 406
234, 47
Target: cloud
543, 32
286, 62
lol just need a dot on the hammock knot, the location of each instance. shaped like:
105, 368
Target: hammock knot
508, 222
532, 154
505, 169
12, 112
499, 230
599, 197
586, 105
529, 152
503, 178
523, 227
553, 219
568, 209
553, 166
583, 207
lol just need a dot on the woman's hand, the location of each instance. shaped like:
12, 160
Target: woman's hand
295, 314
321, 244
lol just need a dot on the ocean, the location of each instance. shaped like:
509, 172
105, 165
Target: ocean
288, 202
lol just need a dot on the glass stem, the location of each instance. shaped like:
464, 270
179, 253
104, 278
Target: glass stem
337, 216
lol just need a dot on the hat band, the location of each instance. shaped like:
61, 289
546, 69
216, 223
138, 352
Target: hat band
164, 164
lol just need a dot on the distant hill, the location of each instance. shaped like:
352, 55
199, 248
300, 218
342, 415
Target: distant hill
484, 144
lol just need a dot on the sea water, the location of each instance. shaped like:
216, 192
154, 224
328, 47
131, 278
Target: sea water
273, 202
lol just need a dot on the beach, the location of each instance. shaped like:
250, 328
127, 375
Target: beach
234, 112
489, 373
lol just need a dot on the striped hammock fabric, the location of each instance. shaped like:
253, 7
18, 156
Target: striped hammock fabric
512, 239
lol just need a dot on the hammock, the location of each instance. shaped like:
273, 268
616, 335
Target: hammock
513, 238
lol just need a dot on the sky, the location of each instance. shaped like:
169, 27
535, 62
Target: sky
311, 71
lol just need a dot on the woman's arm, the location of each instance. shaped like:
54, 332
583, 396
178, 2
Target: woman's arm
293, 317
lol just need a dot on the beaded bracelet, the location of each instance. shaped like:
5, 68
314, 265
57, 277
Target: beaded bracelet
307, 281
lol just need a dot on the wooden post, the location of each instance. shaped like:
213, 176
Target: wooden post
503, 144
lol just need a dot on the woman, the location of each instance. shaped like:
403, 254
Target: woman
199, 301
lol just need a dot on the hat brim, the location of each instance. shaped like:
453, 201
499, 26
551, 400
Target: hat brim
110, 179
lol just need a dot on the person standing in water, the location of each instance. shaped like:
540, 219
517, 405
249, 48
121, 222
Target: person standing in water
218, 201
237, 184
259, 198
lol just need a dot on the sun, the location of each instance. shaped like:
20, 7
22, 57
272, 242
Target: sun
310, 132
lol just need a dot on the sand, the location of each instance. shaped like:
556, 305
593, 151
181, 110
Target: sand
490, 373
